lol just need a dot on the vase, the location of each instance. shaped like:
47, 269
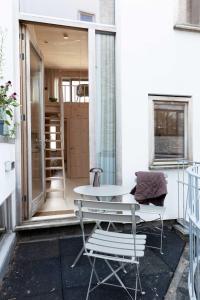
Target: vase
1, 127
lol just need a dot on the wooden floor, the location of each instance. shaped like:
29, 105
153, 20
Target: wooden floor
55, 204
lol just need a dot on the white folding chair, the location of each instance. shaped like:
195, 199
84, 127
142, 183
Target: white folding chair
149, 213
112, 246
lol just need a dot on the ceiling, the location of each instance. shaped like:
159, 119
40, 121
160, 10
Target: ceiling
61, 53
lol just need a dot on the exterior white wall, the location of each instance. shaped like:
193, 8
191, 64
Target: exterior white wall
67, 9
9, 24
154, 59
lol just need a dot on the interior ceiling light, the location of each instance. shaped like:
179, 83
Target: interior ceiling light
65, 36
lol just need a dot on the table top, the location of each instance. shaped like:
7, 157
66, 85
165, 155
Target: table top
102, 191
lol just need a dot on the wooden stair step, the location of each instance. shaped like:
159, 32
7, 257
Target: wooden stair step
52, 118
57, 149
54, 168
49, 141
50, 132
53, 158
52, 124
54, 190
54, 178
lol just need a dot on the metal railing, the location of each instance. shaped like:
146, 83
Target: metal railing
182, 181
193, 214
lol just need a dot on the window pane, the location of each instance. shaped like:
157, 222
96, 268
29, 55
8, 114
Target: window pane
53, 137
66, 90
84, 86
169, 130
86, 17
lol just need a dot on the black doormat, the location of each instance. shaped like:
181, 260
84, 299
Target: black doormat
41, 271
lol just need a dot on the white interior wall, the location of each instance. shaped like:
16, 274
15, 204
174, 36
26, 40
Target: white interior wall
154, 58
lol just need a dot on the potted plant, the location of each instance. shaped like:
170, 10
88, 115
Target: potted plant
53, 99
7, 105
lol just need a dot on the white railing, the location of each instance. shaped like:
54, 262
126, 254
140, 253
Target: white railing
182, 188
193, 213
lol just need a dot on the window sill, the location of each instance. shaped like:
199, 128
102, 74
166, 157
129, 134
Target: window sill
187, 27
167, 165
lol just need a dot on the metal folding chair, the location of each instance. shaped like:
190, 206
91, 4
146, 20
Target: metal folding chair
112, 246
149, 213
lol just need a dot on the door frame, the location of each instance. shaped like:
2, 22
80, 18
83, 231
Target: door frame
28, 204
92, 28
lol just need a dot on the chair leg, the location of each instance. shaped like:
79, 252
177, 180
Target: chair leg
136, 283
138, 273
78, 257
91, 275
114, 272
97, 277
161, 236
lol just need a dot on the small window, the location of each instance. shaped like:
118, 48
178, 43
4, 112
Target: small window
170, 129
86, 17
75, 90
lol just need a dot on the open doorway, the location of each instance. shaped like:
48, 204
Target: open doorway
57, 127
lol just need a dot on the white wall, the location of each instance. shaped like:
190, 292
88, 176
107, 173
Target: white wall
68, 9
154, 58
11, 71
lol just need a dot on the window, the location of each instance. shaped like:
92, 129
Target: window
169, 129
66, 90
86, 17
53, 137
75, 90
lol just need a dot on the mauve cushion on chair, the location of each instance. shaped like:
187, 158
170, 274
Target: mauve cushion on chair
150, 188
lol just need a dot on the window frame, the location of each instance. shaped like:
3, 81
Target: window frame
170, 162
70, 86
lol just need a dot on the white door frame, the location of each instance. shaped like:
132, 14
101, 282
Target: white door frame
32, 204
92, 28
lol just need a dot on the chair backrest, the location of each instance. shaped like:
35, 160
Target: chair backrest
111, 212
115, 212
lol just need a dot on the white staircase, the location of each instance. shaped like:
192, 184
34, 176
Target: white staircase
54, 153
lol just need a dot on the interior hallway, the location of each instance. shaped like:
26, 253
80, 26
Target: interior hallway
55, 203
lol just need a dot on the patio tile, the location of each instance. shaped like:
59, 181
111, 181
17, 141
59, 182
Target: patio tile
33, 278
173, 247
41, 270
37, 250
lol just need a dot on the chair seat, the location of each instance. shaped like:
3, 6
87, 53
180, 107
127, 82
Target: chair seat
152, 209
114, 244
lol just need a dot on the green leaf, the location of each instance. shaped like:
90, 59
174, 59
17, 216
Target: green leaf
7, 123
9, 113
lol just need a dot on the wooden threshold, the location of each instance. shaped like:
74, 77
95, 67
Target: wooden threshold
54, 212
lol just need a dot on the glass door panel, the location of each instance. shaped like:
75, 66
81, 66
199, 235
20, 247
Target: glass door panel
105, 110
36, 134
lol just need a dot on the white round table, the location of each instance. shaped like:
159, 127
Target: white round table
102, 191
